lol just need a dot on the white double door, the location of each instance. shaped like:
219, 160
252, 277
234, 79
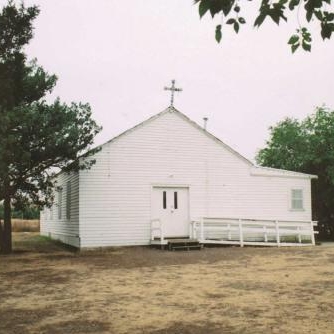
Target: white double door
171, 206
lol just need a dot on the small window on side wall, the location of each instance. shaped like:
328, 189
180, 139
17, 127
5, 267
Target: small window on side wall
297, 200
68, 200
60, 202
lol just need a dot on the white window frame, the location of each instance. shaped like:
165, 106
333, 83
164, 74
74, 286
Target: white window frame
299, 198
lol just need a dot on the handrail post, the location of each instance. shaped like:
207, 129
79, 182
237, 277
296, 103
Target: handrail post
202, 229
195, 229
152, 229
191, 228
241, 236
312, 233
277, 233
265, 233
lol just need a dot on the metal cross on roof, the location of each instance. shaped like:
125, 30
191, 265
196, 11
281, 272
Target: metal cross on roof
173, 89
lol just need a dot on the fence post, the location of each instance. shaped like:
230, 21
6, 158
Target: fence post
241, 237
312, 233
202, 229
229, 232
299, 236
277, 233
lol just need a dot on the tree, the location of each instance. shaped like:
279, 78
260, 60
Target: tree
307, 146
36, 137
277, 10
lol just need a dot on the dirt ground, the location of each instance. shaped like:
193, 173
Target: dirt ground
48, 289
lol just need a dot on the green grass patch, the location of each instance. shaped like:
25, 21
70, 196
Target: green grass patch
33, 242
294, 239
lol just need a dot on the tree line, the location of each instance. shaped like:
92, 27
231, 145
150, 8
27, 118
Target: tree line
28, 212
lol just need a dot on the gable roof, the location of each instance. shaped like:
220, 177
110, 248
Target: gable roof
187, 119
256, 170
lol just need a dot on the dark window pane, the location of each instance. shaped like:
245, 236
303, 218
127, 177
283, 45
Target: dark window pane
68, 200
175, 199
164, 200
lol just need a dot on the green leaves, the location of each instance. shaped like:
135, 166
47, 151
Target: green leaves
327, 30
310, 7
236, 27
273, 10
306, 40
204, 6
224, 7
303, 38
259, 20
294, 42
218, 33
293, 4
227, 6
214, 6
294, 39
277, 11
15, 28
327, 24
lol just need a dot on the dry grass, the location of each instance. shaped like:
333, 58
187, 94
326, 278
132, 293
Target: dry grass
22, 225
48, 289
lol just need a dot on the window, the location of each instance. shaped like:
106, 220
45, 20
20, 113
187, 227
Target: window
164, 200
60, 201
175, 199
68, 199
297, 199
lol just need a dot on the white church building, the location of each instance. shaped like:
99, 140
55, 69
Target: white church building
166, 178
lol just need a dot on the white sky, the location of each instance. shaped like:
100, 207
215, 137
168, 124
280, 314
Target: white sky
118, 56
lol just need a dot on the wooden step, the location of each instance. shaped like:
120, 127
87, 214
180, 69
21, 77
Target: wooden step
184, 244
187, 248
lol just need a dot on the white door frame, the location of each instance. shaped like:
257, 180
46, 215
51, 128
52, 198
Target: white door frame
171, 185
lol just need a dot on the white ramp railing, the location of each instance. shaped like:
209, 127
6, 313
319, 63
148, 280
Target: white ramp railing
253, 231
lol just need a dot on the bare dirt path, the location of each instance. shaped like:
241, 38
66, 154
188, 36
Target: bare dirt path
48, 289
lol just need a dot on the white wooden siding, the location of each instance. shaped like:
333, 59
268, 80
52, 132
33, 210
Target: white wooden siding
64, 229
115, 194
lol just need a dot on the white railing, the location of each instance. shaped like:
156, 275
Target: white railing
157, 230
253, 232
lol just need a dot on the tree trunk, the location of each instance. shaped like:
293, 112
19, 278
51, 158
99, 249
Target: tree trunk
7, 226
1, 236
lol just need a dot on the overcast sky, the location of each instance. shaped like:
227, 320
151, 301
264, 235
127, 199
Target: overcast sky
118, 56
